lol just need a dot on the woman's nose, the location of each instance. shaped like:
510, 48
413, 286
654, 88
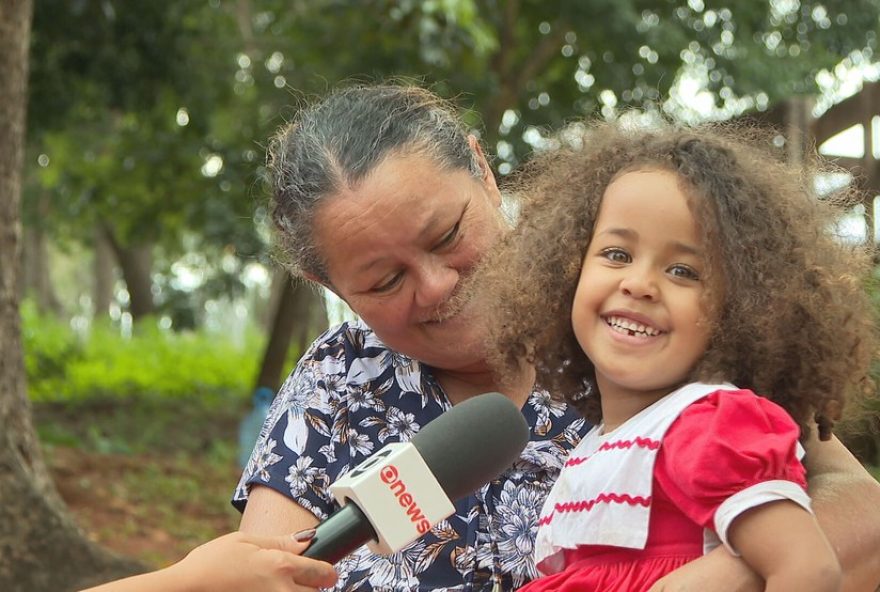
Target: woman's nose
437, 282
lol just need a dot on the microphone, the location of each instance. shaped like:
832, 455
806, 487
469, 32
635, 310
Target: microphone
400, 492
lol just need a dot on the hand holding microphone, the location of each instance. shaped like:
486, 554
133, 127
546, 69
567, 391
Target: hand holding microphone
401, 491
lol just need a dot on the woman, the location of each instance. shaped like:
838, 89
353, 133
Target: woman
382, 197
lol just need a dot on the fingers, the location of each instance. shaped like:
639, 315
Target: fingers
304, 571
313, 573
283, 542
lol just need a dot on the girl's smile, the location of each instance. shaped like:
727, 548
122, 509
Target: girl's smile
631, 325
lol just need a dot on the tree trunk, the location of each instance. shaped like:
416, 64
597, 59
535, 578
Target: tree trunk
40, 546
294, 316
136, 263
103, 270
310, 315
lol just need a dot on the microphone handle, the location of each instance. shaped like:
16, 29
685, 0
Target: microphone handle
344, 531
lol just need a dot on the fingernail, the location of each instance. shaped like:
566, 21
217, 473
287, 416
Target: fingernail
304, 535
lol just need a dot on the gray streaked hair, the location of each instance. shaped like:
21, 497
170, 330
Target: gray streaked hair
335, 143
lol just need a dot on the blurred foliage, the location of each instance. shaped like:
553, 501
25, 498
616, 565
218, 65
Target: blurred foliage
860, 428
150, 117
152, 364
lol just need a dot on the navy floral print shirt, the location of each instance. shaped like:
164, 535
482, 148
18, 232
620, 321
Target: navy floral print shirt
347, 398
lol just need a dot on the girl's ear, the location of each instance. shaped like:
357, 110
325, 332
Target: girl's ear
487, 176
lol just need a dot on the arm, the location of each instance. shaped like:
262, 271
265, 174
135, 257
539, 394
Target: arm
784, 544
270, 513
235, 562
845, 500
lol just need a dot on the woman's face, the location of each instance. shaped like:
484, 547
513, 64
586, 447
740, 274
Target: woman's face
397, 247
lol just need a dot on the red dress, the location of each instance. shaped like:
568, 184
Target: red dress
731, 443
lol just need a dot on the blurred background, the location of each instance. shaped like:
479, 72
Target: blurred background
152, 306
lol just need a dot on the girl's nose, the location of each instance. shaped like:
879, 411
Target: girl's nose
639, 284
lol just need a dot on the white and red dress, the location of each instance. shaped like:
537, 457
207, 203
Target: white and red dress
662, 489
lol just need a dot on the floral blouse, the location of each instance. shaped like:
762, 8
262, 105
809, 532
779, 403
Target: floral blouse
348, 397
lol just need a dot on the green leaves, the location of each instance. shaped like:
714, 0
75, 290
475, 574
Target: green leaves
154, 115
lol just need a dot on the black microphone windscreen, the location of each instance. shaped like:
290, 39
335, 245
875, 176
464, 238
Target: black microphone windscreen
475, 442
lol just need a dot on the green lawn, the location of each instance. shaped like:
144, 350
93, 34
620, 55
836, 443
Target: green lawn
150, 480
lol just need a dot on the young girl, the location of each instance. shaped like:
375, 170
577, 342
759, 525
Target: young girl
696, 303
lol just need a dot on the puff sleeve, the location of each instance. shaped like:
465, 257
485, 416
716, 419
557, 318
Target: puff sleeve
728, 453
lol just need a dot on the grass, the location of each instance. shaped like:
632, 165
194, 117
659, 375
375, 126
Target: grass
150, 480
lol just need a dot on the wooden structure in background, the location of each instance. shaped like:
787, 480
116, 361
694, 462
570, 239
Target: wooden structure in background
802, 131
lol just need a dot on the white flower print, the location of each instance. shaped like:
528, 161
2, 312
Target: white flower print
517, 523
396, 572
264, 458
540, 453
407, 373
545, 407
362, 397
400, 424
302, 475
359, 443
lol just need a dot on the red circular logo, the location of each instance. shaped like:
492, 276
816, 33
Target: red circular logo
388, 473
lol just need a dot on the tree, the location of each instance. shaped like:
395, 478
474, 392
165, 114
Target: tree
528, 65
40, 546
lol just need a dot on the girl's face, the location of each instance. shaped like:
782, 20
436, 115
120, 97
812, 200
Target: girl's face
639, 312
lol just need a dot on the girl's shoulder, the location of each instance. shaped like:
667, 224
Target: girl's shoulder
734, 411
730, 438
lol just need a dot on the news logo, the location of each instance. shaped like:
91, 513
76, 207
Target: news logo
389, 475
398, 493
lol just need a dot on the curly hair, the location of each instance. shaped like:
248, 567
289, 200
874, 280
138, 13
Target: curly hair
794, 322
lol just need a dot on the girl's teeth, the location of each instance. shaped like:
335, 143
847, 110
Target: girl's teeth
627, 326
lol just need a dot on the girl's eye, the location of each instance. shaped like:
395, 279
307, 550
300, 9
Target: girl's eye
616, 255
684, 272
388, 285
450, 236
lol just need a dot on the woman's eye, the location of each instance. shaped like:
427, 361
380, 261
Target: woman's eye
449, 237
389, 284
616, 255
684, 272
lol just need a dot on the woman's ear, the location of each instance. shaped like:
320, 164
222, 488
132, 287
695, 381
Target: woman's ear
487, 176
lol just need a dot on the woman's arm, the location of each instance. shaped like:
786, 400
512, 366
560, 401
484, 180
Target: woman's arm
784, 544
270, 513
846, 500
234, 562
